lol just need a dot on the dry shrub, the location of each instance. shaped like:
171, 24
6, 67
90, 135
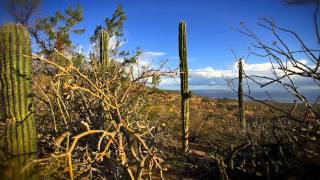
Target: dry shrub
96, 121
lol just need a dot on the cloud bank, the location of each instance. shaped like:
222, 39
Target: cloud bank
211, 78
208, 78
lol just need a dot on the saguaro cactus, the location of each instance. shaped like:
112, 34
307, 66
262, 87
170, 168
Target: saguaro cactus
104, 60
104, 51
16, 99
185, 93
240, 95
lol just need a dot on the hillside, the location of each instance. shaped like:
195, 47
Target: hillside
214, 130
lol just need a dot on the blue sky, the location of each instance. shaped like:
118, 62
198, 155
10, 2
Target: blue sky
153, 26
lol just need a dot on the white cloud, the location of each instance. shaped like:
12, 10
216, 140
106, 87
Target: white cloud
170, 81
209, 77
261, 69
209, 72
154, 53
113, 42
148, 57
147, 61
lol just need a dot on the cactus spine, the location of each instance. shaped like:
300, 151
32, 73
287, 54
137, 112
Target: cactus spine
185, 93
240, 95
16, 99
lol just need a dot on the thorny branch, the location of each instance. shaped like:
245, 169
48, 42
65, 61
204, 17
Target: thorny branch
123, 138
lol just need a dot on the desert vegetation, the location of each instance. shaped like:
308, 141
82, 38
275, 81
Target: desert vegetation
67, 116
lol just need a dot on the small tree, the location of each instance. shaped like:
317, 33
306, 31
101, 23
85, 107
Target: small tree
22, 10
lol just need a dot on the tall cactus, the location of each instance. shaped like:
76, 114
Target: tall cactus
104, 60
185, 93
240, 95
16, 99
104, 51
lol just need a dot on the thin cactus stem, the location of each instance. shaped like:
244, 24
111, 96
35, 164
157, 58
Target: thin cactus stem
104, 60
104, 48
185, 93
16, 99
240, 95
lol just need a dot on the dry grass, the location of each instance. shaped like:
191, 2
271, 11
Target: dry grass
215, 130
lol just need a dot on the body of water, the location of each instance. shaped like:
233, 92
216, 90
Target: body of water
279, 96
